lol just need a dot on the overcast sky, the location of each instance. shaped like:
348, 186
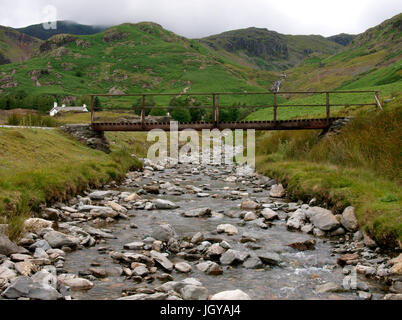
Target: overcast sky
198, 18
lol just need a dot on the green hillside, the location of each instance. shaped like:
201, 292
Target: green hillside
63, 26
269, 50
15, 46
129, 58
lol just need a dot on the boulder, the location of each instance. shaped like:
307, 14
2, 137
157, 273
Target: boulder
7, 247
269, 214
36, 224
100, 195
194, 292
303, 245
163, 261
227, 228
328, 287
269, 257
210, 267
163, 232
231, 295
57, 239
164, 204
132, 197
349, 220
182, 267
322, 219
249, 205
250, 216
74, 282
277, 191
26, 287
199, 212
233, 256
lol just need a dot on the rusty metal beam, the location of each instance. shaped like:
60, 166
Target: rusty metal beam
301, 124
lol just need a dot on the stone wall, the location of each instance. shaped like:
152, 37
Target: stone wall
335, 128
85, 134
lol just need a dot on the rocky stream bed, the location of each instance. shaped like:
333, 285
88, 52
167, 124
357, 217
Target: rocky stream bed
190, 231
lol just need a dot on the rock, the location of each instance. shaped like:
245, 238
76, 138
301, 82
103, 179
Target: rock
140, 271
100, 195
36, 224
349, 220
253, 262
74, 282
164, 204
269, 257
397, 269
303, 245
337, 232
25, 268
197, 238
233, 256
277, 191
6, 273
132, 197
214, 251
227, 228
182, 267
269, 214
231, 295
249, 205
57, 239
45, 276
40, 254
369, 242
396, 287
391, 296
98, 272
250, 216
162, 260
296, 219
99, 233
163, 232
26, 287
202, 195
199, 212
318, 232
307, 228
328, 287
7, 247
210, 267
322, 218
357, 236
136, 245
365, 295
193, 292
348, 259
103, 212
40, 244
115, 206
20, 257
152, 189
368, 271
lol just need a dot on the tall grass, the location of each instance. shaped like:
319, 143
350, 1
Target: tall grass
32, 120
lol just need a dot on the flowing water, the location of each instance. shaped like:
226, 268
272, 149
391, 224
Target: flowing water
295, 278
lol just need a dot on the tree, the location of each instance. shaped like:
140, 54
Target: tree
97, 104
149, 102
158, 112
181, 115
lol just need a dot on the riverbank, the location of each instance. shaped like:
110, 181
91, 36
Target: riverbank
194, 232
43, 166
361, 166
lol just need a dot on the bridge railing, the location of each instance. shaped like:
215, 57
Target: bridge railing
274, 103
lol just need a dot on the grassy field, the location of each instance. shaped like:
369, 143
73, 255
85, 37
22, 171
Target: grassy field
41, 166
361, 167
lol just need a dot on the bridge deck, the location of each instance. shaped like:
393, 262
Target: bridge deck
301, 124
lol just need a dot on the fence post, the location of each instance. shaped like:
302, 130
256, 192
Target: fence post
143, 111
275, 108
377, 100
214, 109
327, 104
92, 109
217, 111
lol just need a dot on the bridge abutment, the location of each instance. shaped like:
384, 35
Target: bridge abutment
85, 134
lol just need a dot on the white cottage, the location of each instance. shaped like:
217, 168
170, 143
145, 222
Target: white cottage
56, 109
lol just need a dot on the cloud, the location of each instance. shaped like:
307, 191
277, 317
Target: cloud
198, 18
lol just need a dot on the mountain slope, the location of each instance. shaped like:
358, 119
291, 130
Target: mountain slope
63, 26
372, 59
15, 46
269, 50
129, 58
343, 38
